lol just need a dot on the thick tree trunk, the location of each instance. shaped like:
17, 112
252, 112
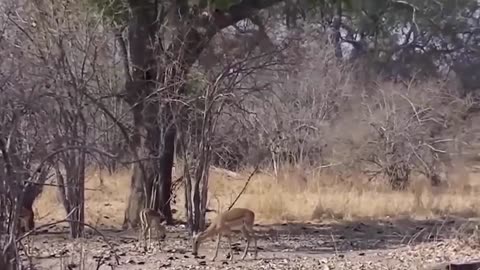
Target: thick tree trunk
154, 140
153, 68
32, 191
166, 165
152, 174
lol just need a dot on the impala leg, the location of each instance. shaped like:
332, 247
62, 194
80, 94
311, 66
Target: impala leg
161, 234
140, 234
231, 247
218, 245
144, 232
146, 237
252, 232
247, 237
149, 237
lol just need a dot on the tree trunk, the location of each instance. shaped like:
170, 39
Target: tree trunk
160, 149
337, 23
153, 141
166, 165
196, 188
290, 14
153, 68
72, 190
32, 191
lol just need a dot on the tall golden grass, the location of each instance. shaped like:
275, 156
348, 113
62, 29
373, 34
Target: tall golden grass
294, 196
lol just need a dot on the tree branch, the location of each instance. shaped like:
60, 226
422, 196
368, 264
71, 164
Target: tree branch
123, 52
241, 11
245, 186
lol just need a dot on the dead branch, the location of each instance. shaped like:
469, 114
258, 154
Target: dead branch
244, 186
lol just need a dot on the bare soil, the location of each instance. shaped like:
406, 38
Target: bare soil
399, 244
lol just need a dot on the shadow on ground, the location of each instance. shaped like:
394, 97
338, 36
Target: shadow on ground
309, 238
361, 235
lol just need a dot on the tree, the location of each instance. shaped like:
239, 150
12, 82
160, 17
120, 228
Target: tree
48, 116
159, 56
165, 39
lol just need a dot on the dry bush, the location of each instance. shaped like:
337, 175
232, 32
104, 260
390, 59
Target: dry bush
320, 123
327, 116
105, 197
411, 129
288, 122
317, 118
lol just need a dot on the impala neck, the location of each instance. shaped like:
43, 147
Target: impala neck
205, 234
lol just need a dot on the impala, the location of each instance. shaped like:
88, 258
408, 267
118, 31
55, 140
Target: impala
223, 224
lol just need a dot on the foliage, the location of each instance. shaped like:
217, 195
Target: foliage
85, 97
116, 11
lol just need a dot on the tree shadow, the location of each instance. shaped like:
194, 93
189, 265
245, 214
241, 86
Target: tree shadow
315, 239
360, 235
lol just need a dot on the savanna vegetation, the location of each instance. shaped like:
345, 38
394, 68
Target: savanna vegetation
311, 110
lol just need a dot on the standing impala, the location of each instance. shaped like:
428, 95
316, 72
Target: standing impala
223, 224
149, 218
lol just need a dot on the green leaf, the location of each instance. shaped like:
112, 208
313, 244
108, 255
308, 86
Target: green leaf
114, 10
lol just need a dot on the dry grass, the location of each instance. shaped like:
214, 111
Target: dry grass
296, 196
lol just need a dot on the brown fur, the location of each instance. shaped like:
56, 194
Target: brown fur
149, 218
223, 224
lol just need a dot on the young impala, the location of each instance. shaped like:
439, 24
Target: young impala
149, 218
223, 224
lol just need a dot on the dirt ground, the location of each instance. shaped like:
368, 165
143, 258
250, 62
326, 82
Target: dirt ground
359, 226
400, 244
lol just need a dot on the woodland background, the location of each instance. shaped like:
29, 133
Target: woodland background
344, 109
